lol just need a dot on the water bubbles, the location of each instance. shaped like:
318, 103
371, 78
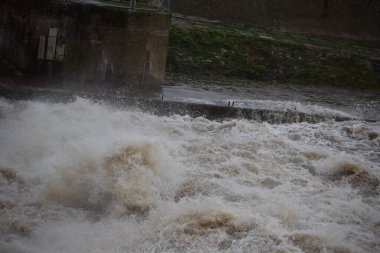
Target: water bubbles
84, 177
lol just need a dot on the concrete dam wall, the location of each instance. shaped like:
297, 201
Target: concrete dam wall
92, 42
342, 18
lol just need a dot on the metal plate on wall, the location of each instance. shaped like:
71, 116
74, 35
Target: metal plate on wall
41, 48
52, 42
60, 52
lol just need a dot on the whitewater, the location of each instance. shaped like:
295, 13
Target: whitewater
88, 177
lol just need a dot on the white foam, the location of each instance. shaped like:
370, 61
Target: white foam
93, 179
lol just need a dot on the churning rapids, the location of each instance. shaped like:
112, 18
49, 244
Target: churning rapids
86, 177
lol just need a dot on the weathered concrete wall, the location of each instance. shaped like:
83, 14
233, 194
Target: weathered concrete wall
351, 18
100, 43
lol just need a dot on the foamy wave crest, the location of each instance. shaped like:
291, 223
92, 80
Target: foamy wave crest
126, 182
291, 106
86, 177
349, 169
84, 155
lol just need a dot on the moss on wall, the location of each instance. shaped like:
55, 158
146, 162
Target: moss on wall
333, 17
266, 55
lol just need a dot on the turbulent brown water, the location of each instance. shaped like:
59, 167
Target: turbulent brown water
85, 177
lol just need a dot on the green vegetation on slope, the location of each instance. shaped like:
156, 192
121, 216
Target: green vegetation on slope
266, 55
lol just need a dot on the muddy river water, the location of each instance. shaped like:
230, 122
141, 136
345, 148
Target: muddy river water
87, 177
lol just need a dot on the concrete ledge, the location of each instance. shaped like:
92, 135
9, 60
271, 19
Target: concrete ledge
167, 108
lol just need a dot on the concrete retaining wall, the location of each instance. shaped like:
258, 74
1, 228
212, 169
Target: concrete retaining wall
90, 43
350, 18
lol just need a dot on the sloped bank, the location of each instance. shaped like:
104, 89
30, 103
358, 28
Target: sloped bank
231, 50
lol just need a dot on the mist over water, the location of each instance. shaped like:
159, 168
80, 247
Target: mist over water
86, 177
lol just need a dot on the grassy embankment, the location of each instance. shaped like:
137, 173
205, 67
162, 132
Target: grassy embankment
270, 56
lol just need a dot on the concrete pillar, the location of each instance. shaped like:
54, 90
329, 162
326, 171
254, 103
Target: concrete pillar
85, 43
